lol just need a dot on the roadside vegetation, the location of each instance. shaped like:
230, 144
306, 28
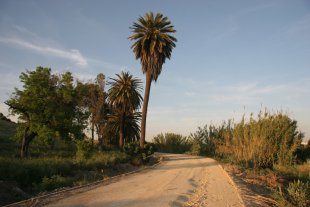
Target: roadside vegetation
71, 132
68, 133
267, 148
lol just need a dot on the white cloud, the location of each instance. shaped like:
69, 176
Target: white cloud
73, 54
250, 93
255, 89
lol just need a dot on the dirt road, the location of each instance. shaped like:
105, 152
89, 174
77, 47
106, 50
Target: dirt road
173, 183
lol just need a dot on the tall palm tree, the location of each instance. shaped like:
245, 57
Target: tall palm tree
153, 44
124, 97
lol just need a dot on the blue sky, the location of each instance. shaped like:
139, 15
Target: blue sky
232, 57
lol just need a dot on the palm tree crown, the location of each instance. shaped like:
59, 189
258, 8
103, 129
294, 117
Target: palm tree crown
124, 97
125, 92
153, 42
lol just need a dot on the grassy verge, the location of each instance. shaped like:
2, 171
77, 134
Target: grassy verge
37, 175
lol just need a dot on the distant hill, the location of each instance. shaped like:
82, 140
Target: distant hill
7, 132
4, 118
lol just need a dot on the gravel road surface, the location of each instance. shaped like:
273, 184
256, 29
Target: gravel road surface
180, 180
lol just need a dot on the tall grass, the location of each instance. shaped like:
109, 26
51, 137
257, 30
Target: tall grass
34, 174
270, 139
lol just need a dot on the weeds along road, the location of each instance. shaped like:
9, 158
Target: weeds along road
175, 182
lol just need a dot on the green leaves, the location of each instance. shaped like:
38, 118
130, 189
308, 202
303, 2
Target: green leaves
47, 104
125, 91
125, 99
153, 44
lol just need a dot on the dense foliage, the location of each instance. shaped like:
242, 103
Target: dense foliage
52, 107
260, 143
171, 143
47, 107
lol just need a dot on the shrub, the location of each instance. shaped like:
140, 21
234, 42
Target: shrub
171, 143
132, 149
298, 193
84, 149
139, 156
56, 181
262, 142
196, 148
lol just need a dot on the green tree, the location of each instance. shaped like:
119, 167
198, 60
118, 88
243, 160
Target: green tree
153, 44
125, 98
46, 107
92, 98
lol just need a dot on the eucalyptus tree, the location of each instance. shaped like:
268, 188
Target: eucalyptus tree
153, 43
125, 98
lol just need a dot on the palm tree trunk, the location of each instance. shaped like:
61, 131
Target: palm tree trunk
144, 108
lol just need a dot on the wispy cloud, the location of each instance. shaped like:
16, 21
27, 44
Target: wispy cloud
72, 55
255, 89
248, 93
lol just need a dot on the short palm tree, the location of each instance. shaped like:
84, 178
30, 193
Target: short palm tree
131, 128
124, 97
153, 44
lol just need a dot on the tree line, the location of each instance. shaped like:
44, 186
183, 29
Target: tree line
52, 105
55, 106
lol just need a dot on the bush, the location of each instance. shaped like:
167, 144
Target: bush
132, 149
298, 193
139, 156
56, 181
196, 148
171, 143
272, 138
84, 149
